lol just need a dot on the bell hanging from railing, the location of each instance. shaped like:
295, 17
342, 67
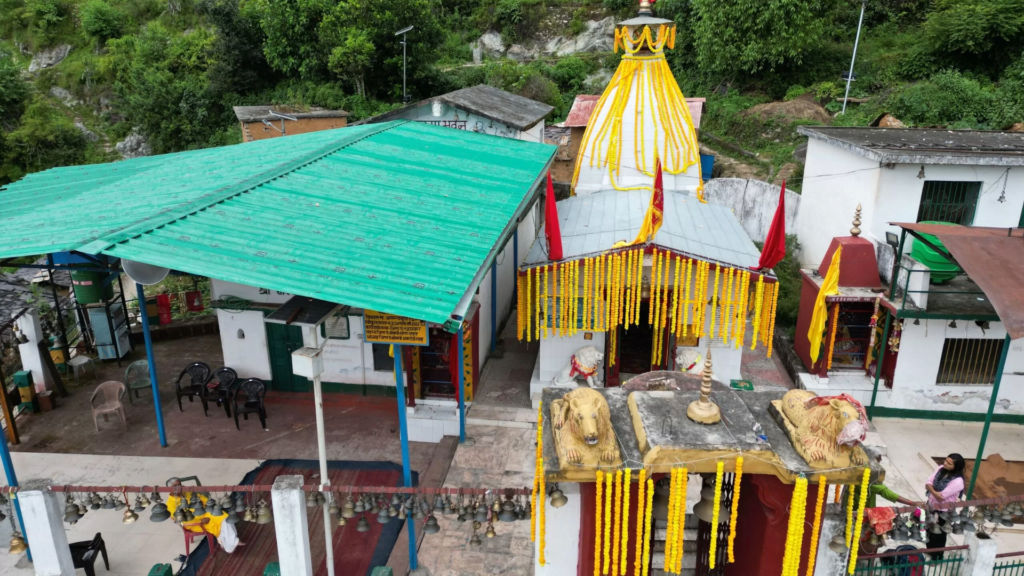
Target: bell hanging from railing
342, 521
401, 514
452, 508
490, 533
496, 506
362, 525
226, 503
935, 528
119, 504
706, 507
155, 497
838, 544
475, 540
70, 512
263, 515
1006, 519
199, 508
359, 507
419, 511
108, 503
179, 515
217, 511
95, 502
189, 516
558, 499
392, 511
431, 527
138, 508
901, 534
320, 499
249, 516
159, 513
439, 504
129, 516
348, 509
82, 509
374, 507
382, 516
17, 543
333, 508
659, 505
508, 512
481, 513
958, 529
310, 499
874, 540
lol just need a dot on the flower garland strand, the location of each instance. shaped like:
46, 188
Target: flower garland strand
832, 337
714, 515
771, 321
641, 514
684, 479
607, 522
616, 522
735, 507
598, 485
849, 518
795, 532
670, 542
625, 521
543, 497
646, 563
812, 555
859, 521
758, 304
538, 471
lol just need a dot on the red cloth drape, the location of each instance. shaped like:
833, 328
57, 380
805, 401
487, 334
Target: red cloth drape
551, 226
775, 243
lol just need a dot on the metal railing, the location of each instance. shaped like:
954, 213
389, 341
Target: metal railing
1009, 567
913, 563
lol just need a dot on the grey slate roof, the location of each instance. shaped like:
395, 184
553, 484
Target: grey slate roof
491, 103
260, 113
925, 145
592, 223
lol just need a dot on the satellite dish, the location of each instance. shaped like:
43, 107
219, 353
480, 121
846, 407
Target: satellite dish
145, 274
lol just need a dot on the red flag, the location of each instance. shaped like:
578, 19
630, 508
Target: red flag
551, 226
775, 243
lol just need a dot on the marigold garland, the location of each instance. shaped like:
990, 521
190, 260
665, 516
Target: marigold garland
859, 520
598, 485
542, 504
624, 552
812, 555
684, 479
646, 561
670, 529
758, 297
839, 494
639, 284
849, 517
676, 288
795, 531
714, 515
832, 336
736, 484
641, 514
714, 302
771, 322
607, 521
538, 471
616, 522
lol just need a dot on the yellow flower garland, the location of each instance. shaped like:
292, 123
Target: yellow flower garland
758, 296
771, 322
538, 472
684, 478
616, 522
598, 485
849, 518
670, 529
832, 336
646, 561
715, 513
607, 521
859, 521
624, 552
735, 507
795, 532
639, 284
543, 497
641, 514
714, 301
812, 555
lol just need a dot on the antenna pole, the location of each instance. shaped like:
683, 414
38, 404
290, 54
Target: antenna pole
856, 41
405, 95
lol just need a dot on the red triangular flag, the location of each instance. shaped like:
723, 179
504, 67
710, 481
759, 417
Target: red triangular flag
551, 226
775, 243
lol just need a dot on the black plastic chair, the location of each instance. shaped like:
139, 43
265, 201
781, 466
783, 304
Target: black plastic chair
198, 374
254, 390
84, 554
218, 389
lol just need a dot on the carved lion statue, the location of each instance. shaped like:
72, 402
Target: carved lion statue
825, 430
690, 361
586, 362
583, 429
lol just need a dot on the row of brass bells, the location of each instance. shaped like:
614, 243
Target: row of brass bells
263, 515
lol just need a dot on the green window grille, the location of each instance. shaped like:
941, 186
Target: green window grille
953, 202
970, 361
1009, 568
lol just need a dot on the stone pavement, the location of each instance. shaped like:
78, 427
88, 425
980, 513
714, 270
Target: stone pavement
506, 381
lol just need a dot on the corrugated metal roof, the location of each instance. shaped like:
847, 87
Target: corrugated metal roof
583, 108
493, 103
592, 223
400, 217
260, 113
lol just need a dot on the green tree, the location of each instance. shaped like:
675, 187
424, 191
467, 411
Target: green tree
45, 139
735, 36
983, 33
101, 20
351, 58
13, 92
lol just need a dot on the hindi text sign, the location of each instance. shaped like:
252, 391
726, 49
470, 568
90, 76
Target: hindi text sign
381, 328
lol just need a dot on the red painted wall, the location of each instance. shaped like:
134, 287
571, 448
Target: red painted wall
808, 293
587, 509
857, 266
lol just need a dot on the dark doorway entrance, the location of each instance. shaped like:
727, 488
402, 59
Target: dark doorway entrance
636, 343
282, 340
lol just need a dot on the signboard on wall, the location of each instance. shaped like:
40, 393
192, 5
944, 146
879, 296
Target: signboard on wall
381, 328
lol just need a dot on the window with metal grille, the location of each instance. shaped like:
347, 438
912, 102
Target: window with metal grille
382, 360
969, 361
953, 202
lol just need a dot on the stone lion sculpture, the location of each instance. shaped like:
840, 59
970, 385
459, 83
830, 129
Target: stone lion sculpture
582, 429
586, 363
825, 430
690, 361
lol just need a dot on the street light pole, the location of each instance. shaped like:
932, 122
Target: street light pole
403, 32
849, 77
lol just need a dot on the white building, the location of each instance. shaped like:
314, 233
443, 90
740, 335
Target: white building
945, 337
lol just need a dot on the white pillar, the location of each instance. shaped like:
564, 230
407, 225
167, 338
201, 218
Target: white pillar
291, 526
44, 517
561, 554
981, 555
29, 325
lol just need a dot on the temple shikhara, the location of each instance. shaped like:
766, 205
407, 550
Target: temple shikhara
643, 297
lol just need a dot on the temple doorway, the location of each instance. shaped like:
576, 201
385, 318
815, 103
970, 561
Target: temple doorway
635, 348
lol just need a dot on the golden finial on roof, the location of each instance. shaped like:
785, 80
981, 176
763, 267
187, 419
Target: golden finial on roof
703, 410
855, 231
645, 8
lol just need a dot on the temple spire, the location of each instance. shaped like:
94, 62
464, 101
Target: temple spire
645, 8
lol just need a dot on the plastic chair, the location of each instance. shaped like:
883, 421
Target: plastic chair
218, 389
254, 390
136, 378
78, 364
191, 536
84, 554
110, 394
198, 375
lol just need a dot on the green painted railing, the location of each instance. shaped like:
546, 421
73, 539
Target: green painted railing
1013, 567
913, 563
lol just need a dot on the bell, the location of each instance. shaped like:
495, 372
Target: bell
359, 507
129, 516
200, 509
496, 507
958, 529
968, 526
947, 528
418, 513
401, 513
705, 508
155, 497
159, 513
874, 540
70, 513
189, 516
95, 502
249, 516
838, 544
659, 506
348, 508
143, 500
216, 511
108, 503
558, 499
263, 513
119, 504
320, 499
138, 508
431, 526
239, 507
333, 508
342, 520
179, 516
452, 507
82, 509
310, 499
481, 514
374, 508
362, 525
382, 516
193, 501
17, 543
475, 540
508, 512
902, 535
1006, 519
232, 517
439, 505
490, 533
392, 512
935, 528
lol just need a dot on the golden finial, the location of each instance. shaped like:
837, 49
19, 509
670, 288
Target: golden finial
855, 231
704, 411
645, 7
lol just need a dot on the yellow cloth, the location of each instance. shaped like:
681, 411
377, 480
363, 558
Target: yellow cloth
830, 287
213, 526
652, 218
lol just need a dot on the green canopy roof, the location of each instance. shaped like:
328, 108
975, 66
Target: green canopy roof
399, 217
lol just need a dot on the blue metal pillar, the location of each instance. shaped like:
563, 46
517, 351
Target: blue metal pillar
403, 434
152, 364
12, 481
462, 388
494, 305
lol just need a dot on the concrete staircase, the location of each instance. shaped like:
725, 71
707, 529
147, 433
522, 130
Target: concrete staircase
689, 547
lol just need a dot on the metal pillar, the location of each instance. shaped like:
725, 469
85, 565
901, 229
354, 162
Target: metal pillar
462, 388
515, 257
403, 433
149, 356
878, 366
856, 41
12, 481
988, 416
66, 349
321, 446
